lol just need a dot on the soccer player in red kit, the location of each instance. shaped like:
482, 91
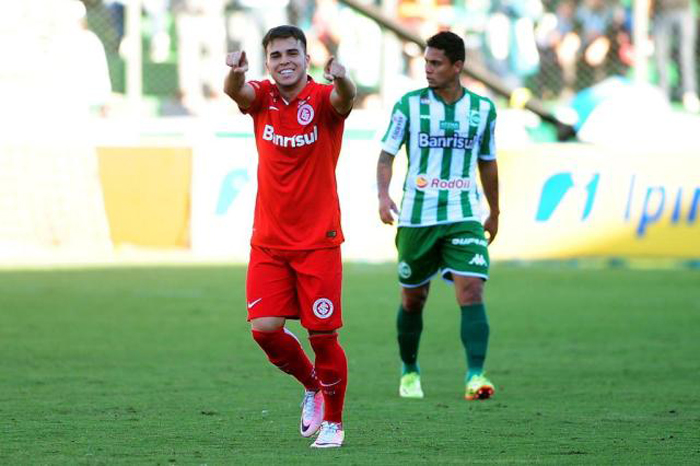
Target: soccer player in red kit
295, 269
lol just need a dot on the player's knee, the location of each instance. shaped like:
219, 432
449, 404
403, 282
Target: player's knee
267, 324
469, 299
414, 302
264, 339
413, 306
471, 292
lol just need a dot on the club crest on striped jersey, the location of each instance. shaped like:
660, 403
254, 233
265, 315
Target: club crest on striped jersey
323, 308
474, 117
305, 113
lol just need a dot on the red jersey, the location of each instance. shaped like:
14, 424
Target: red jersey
298, 143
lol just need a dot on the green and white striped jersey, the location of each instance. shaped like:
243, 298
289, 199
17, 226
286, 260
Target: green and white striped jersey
443, 143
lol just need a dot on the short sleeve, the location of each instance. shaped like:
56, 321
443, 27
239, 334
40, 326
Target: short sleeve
260, 87
487, 150
325, 94
397, 132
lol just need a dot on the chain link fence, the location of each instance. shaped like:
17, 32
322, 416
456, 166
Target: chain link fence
554, 48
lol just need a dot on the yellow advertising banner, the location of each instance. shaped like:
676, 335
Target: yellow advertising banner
147, 194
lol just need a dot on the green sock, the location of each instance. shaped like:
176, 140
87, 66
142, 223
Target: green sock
475, 337
409, 326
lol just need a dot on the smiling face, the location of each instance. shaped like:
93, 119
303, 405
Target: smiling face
439, 70
287, 62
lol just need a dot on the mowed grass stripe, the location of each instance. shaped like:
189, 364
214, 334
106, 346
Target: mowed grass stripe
156, 365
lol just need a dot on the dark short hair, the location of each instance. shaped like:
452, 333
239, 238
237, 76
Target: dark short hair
283, 32
450, 43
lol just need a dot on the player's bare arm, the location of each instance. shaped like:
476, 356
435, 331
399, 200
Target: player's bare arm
384, 173
488, 172
344, 90
234, 84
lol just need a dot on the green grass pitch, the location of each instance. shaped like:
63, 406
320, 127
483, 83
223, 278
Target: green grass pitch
156, 366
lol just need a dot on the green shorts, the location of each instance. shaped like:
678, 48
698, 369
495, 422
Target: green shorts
453, 248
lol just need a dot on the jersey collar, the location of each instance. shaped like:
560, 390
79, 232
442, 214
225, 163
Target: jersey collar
303, 94
435, 96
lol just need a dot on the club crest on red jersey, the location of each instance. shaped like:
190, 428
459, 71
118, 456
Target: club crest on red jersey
305, 113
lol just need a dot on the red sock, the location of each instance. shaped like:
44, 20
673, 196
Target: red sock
332, 372
284, 351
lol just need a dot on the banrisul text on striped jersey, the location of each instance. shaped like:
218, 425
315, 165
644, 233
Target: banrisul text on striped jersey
425, 140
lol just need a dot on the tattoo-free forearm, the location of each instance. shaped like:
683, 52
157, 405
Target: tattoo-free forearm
233, 84
345, 88
346, 91
488, 172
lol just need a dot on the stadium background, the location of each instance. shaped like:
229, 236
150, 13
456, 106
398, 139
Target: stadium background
121, 342
140, 151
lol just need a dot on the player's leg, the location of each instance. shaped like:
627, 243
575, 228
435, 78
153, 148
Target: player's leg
474, 332
409, 326
319, 279
466, 263
332, 370
284, 351
271, 299
418, 263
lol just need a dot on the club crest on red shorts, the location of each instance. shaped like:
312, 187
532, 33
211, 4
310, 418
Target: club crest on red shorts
323, 308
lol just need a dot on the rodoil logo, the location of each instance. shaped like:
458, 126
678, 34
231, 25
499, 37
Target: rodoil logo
459, 184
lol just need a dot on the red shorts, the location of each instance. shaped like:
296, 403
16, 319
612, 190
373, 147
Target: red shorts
301, 285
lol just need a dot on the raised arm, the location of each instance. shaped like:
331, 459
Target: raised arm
234, 84
488, 172
384, 173
344, 90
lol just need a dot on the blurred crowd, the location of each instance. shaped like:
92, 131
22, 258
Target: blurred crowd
554, 48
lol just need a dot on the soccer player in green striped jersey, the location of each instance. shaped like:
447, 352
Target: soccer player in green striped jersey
448, 131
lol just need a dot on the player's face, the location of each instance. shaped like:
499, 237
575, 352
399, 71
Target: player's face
439, 71
286, 61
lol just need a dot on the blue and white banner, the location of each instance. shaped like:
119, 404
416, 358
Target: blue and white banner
577, 200
557, 200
